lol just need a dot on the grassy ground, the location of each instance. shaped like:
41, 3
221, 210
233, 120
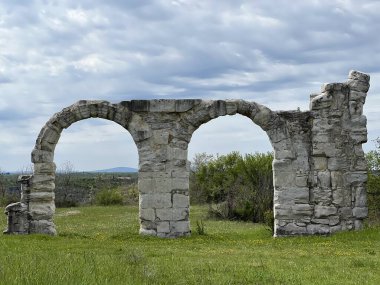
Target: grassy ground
101, 245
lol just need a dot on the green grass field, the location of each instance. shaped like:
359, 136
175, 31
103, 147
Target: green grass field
101, 245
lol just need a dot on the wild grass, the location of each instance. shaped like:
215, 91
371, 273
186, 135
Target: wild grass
101, 245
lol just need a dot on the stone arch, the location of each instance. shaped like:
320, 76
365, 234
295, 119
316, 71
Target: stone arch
289, 141
41, 206
319, 166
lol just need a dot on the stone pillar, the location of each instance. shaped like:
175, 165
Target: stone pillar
290, 138
41, 207
17, 213
163, 168
164, 193
339, 168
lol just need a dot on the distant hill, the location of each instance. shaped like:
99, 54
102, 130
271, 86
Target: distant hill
117, 170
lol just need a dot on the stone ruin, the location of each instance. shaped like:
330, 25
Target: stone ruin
319, 167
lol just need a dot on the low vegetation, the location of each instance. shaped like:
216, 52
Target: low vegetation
235, 187
101, 245
373, 184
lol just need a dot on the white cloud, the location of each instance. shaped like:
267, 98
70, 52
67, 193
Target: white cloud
53, 54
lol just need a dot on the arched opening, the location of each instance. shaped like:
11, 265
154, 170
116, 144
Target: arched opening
228, 133
40, 189
96, 144
231, 169
97, 163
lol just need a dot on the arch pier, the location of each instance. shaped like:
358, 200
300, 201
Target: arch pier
319, 167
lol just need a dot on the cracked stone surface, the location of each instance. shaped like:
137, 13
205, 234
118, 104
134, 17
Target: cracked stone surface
319, 166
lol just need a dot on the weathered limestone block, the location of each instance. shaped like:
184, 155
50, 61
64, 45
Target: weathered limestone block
41, 197
337, 163
186, 104
161, 137
177, 153
292, 211
321, 195
39, 155
50, 135
345, 212
41, 210
324, 211
217, 108
320, 163
356, 108
154, 174
360, 212
163, 227
45, 168
164, 106
42, 227
329, 87
297, 195
358, 81
231, 107
263, 117
180, 183
331, 220
181, 201
147, 214
155, 185
302, 180
318, 229
359, 136
290, 229
341, 197
156, 201
324, 179
358, 225
356, 177
358, 96
327, 149
284, 179
360, 196
173, 214
17, 219
47, 186
322, 101
41, 178
181, 172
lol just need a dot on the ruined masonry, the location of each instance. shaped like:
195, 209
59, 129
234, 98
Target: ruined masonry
319, 166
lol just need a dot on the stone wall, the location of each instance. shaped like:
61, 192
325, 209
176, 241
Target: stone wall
319, 168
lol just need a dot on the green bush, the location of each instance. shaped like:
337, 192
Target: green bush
131, 195
235, 186
373, 184
106, 197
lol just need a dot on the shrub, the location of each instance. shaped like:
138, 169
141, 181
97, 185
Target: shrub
234, 186
373, 184
106, 197
269, 220
201, 228
132, 195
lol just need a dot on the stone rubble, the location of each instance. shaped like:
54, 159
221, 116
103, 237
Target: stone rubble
319, 167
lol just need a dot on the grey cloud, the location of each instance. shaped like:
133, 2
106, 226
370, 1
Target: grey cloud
57, 52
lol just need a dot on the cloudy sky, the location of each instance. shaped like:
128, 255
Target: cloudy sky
54, 53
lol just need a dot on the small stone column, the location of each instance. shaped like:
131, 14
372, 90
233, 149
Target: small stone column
17, 220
